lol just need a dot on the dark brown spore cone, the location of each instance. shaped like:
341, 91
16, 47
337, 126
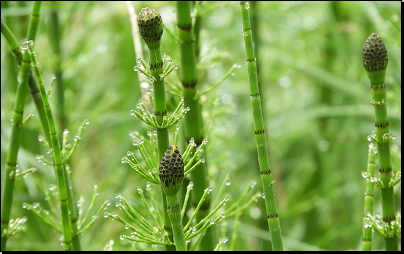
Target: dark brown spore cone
374, 54
150, 25
171, 171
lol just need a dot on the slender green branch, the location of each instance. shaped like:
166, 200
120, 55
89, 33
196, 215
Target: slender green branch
61, 176
368, 207
11, 161
265, 171
151, 30
193, 119
375, 60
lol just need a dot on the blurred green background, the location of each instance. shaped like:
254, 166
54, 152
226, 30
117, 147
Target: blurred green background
315, 95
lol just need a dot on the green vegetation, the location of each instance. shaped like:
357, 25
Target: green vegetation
315, 111
259, 131
375, 60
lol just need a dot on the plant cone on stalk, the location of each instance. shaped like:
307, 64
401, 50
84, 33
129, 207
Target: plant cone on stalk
171, 173
375, 60
151, 30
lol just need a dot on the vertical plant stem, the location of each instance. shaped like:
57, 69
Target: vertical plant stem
174, 213
33, 86
375, 60
369, 194
265, 171
151, 30
61, 177
171, 173
193, 119
14, 145
54, 35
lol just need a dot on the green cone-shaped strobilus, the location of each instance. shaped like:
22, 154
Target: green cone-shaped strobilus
375, 59
150, 27
171, 171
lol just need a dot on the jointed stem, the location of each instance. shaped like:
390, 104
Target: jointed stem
151, 30
368, 207
61, 175
174, 213
11, 162
193, 119
265, 171
375, 60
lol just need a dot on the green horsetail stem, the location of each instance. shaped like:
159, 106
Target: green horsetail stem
151, 29
171, 173
369, 196
60, 171
14, 145
375, 60
193, 119
265, 171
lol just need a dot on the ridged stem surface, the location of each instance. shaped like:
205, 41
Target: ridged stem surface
193, 119
18, 113
151, 30
265, 171
61, 174
369, 196
375, 60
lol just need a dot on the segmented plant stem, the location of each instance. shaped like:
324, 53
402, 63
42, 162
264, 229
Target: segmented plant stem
171, 174
33, 86
375, 60
14, 145
61, 175
174, 213
150, 28
193, 119
55, 43
369, 194
265, 171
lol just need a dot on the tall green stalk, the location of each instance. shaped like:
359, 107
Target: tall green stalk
61, 176
54, 36
193, 119
375, 61
33, 86
171, 173
14, 145
151, 30
369, 194
265, 171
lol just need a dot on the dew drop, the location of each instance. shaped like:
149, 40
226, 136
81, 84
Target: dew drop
228, 182
123, 160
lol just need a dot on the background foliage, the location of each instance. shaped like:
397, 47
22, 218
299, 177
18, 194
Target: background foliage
316, 102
